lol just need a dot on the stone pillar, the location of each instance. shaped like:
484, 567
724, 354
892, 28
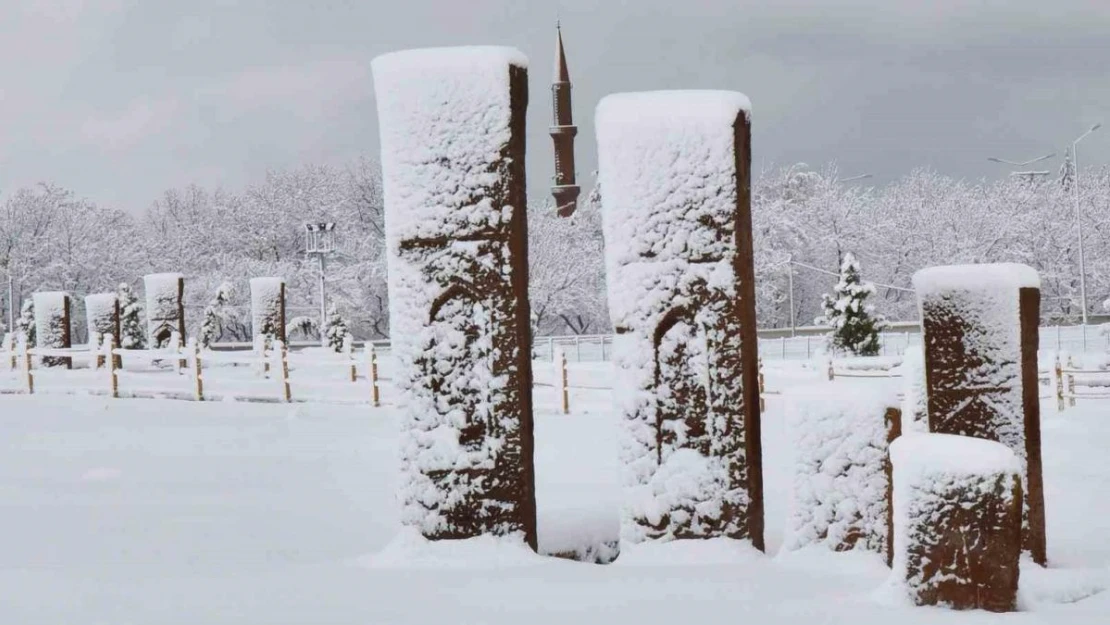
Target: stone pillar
52, 325
165, 307
675, 174
268, 308
840, 439
957, 522
979, 325
102, 316
452, 126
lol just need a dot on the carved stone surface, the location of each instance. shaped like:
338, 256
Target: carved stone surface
957, 522
165, 307
675, 174
980, 325
452, 123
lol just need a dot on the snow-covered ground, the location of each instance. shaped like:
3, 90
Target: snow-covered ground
166, 511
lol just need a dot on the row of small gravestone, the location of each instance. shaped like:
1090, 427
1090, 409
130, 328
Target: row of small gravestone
675, 169
165, 312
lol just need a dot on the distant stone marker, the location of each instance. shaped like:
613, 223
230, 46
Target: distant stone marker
675, 169
165, 307
452, 126
52, 325
980, 325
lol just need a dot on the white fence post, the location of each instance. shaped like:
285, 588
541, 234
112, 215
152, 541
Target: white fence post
564, 387
348, 355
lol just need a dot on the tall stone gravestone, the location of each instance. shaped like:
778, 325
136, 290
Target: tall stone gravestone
980, 327
452, 138
165, 307
675, 179
102, 318
52, 325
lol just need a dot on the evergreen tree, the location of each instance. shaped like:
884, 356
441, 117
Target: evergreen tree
131, 325
855, 325
216, 315
335, 329
26, 322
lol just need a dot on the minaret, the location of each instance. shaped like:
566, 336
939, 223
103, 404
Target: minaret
563, 130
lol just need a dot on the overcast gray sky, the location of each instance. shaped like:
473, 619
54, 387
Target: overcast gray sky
121, 99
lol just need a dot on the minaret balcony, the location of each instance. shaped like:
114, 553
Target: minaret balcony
557, 131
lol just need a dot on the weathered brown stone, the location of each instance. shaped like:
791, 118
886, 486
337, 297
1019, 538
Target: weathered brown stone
981, 374
459, 287
165, 307
958, 529
691, 307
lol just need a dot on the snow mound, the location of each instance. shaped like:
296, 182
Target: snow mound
916, 456
410, 550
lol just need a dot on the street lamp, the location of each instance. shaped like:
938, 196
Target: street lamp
1079, 231
854, 178
1031, 174
319, 242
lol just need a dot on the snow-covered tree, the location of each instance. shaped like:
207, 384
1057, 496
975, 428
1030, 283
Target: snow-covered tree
853, 321
218, 314
131, 323
305, 327
335, 329
25, 324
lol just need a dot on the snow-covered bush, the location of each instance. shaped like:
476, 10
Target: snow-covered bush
102, 315
675, 236
452, 139
133, 334
957, 522
841, 481
855, 326
25, 324
335, 330
268, 308
217, 315
306, 327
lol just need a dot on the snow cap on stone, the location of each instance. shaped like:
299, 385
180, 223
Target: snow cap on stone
993, 276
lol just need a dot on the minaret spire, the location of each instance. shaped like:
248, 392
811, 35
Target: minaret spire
563, 131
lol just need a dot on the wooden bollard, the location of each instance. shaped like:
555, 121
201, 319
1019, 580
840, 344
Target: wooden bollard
762, 387
198, 379
1059, 384
373, 373
283, 351
832, 372
1071, 381
563, 385
29, 379
107, 345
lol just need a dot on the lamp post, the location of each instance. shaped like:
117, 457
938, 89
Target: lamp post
854, 178
1079, 232
1030, 174
319, 242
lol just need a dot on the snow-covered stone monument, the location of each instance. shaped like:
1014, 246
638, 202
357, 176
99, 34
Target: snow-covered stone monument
675, 169
165, 307
102, 318
842, 489
452, 139
52, 325
957, 522
980, 327
268, 308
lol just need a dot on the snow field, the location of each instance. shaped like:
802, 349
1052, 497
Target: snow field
228, 512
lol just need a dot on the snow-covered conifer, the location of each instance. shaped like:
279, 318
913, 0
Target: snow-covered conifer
131, 325
335, 329
855, 326
26, 322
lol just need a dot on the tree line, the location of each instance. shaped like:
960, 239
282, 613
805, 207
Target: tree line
804, 220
